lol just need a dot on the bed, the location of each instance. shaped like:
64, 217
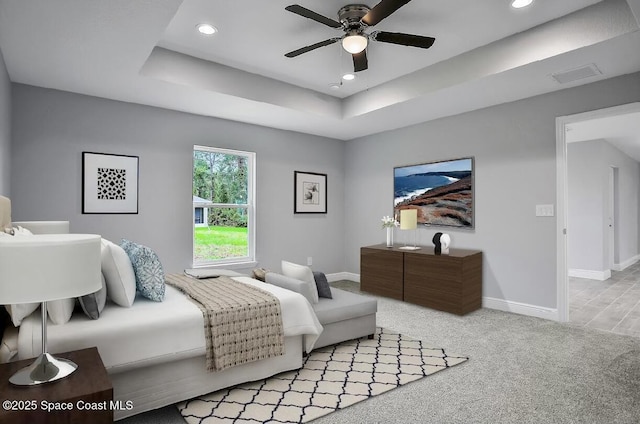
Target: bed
154, 352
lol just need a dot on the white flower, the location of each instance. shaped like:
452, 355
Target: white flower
389, 222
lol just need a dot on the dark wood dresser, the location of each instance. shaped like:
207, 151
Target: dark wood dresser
450, 283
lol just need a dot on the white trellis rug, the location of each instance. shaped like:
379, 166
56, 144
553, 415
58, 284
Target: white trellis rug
331, 378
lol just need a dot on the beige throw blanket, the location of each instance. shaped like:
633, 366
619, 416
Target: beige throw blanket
241, 323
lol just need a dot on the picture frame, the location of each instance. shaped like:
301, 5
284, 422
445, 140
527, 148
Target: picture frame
443, 192
109, 183
310, 192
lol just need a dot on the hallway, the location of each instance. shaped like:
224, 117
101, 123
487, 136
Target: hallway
612, 305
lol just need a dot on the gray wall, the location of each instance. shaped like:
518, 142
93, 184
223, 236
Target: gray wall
5, 129
53, 128
588, 170
514, 146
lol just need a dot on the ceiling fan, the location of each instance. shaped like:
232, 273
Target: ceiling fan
354, 20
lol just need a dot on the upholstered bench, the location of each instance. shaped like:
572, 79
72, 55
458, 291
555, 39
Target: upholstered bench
344, 317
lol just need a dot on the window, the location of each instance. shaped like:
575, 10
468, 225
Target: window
223, 208
199, 212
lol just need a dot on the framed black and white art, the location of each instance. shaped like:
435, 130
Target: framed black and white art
109, 183
310, 192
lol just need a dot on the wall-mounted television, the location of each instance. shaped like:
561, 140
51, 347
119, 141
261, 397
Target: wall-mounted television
442, 192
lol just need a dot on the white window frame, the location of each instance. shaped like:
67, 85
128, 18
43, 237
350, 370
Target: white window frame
237, 262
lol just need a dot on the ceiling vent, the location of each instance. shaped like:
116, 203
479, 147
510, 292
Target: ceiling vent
576, 74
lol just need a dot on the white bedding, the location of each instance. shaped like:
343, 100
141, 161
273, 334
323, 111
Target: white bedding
154, 332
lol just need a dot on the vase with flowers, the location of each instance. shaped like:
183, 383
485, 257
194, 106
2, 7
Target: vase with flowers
389, 223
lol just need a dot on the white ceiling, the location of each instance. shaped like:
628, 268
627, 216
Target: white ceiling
623, 131
148, 52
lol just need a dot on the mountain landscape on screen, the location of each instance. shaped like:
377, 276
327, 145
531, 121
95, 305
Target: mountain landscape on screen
442, 192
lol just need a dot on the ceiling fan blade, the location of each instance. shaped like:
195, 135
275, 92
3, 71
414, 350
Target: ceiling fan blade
404, 39
382, 10
302, 11
312, 47
360, 62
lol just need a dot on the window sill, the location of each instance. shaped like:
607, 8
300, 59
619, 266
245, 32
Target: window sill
229, 265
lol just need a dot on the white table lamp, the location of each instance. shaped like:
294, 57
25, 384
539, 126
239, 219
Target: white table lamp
409, 221
42, 268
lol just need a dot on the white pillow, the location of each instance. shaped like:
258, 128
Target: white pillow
118, 274
60, 311
21, 311
302, 273
293, 284
9, 346
21, 231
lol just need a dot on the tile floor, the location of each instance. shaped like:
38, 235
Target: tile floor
611, 305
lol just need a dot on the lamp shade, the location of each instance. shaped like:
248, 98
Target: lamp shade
354, 43
46, 267
408, 219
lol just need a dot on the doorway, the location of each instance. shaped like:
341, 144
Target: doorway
612, 219
562, 195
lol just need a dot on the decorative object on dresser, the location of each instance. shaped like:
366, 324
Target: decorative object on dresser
409, 221
450, 283
87, 394
389, 224
309, 192
109, 183
42, 268
441, 242
443, 192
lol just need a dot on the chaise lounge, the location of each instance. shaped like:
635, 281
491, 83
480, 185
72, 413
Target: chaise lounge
345, 316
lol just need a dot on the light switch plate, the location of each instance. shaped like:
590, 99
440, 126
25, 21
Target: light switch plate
544, 210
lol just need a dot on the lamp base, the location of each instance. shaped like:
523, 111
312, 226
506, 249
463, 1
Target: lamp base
46, 368
409, 247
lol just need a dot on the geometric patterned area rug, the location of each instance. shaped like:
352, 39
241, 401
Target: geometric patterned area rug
331, 378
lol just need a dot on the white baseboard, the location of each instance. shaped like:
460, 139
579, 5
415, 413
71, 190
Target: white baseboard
343, 276
626, 264
591, 275
520, 308
487, 302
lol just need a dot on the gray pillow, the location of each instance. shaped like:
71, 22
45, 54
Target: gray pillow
324, 290
93, 304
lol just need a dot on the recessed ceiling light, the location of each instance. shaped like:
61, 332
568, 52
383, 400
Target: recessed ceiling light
206, 29
517, 4
348, 77
335, 86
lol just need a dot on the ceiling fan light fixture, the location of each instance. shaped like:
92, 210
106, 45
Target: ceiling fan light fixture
518, 4
354, 43
206, 29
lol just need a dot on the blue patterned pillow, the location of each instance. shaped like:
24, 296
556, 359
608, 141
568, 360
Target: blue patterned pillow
147, 268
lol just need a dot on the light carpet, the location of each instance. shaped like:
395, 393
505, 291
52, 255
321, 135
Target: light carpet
331, 378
